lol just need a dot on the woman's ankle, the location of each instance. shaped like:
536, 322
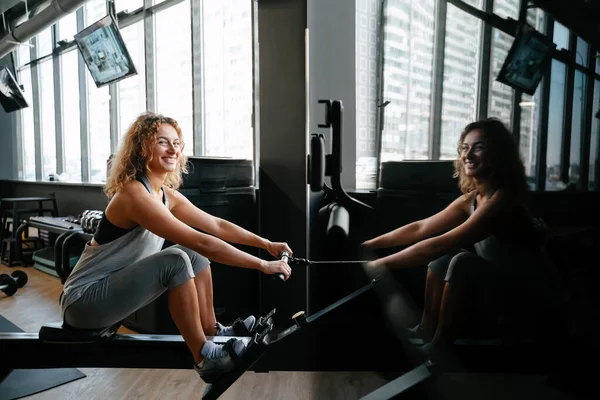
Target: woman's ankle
198, 357
210, 331
428, 328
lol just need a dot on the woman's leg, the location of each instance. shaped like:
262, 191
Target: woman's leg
183, 305
466, 270
204, 290
125, 291
434, 286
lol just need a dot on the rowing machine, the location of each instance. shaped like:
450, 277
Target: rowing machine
58, 346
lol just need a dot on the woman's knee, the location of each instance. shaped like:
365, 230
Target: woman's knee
175, 267
439, 267
197, 261
462, 266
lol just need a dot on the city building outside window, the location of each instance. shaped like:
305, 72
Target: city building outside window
132, 91
174, 68
98, 108
407, 80
461, 71
555, 126
227, 95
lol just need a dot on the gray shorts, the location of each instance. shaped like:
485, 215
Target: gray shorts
481, 278
125, 291
464, 264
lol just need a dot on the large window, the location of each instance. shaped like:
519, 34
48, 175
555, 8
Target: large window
45, 72
44, 43
132, 91
128, 5
99, 129
581, 54
26, 117
530, 113
68, 27
211, 96
561, 36
223, 89
27, 128
174, 68
529, 133
507, 8
70, 98
501, 95
555, 125
408, 75
227, 72
98, 117
465, 50
577, 124
47, 119
461, 70
71, 116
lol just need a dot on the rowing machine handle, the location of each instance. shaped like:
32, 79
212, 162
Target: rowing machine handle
285, 256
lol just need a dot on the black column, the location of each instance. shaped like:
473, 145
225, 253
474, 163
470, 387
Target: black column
283, 146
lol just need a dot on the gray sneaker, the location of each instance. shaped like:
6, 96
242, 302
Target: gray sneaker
228, 330
217, 360
418, 333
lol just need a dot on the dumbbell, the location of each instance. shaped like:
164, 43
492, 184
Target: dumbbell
10, 283
90, 220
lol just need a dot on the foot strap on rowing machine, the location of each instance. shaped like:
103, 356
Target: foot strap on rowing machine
240, 329
239, 362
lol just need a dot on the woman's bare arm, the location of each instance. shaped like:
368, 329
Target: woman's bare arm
191, 215
146, 210
453, 215
477, 227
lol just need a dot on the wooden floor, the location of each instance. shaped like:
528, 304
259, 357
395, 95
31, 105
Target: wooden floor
37, 304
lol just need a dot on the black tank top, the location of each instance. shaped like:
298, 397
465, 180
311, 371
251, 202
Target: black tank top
107, 231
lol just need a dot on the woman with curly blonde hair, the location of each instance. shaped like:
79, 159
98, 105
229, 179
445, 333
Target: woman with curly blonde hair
490, 218
123, 267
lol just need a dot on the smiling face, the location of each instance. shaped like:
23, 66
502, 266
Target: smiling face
473, 154
166, 150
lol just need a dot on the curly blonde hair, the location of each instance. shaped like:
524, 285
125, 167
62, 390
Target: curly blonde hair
135, 154
507, 169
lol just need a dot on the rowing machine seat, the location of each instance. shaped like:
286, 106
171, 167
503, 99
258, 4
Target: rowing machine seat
61, 332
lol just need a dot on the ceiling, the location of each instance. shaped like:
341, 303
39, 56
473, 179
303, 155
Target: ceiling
6, 5
14, 10
582, 16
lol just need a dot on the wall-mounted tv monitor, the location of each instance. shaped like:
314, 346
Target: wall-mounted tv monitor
12, 97
104, 52
527, 60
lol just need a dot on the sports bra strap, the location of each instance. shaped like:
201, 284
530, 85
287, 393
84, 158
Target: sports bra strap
474, 202
144, 180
